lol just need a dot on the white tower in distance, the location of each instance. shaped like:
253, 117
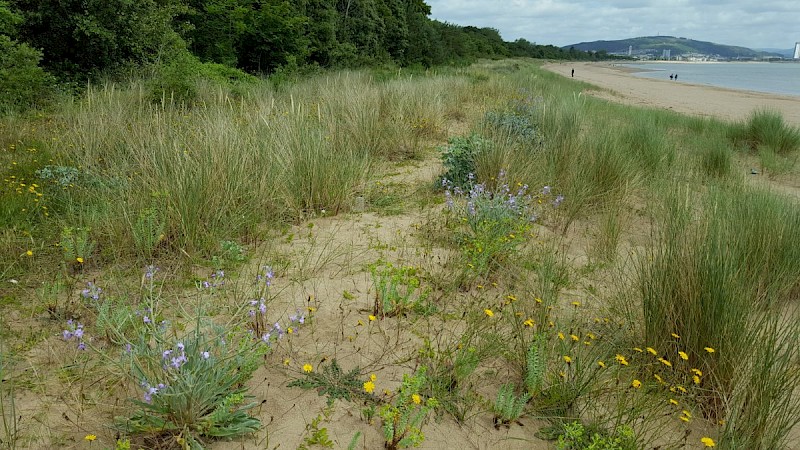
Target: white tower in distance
797, 50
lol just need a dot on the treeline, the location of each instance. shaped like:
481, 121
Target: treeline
76, 39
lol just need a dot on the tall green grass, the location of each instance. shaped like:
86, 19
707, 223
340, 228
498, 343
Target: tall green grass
766, 128
723, 265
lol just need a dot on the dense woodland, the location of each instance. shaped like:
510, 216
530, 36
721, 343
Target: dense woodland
43, 41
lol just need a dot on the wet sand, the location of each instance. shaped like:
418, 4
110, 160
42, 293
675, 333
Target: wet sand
618, 84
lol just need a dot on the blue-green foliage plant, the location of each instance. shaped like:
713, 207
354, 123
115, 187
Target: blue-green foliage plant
192, 384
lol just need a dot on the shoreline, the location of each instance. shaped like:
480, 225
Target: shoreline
619, 85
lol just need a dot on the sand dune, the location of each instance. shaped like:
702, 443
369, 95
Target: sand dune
678, 96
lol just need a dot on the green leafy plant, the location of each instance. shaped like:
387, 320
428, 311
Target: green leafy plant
448, 376
148, 230
333, 382
398, 290
76, 244
459, 158
508, 406
403, 419
316, 435
577, 437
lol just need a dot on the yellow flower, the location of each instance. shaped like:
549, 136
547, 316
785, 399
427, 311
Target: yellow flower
636, 384
29, 253
683, 355
529, 323
372, 318
675, 336
673, 401
697, 372
682, 389
651, 350
373, 377
416, 399
567, 359
658, 377
290, 330
488, 312
665, 362
512, 298
369, 387
685, 419
574, 337
90, 437
637, 349
308, 368
696, 379
561, 335
709, 350
538, 300
621, 359
79, 259
576, 304
708, 442
601, 364
687, 413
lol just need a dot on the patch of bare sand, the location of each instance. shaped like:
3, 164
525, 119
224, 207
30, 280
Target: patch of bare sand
619, 85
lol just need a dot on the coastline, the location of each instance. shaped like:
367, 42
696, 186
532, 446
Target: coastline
617, 84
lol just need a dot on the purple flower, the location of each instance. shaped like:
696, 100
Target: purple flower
67, 335
266, 337
146, 319
558, 200
166, 354
150, 271
81, 346
546, 190
180, 346
263, 308
128, 347
78, 332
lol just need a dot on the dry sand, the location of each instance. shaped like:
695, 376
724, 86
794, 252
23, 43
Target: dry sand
618, 84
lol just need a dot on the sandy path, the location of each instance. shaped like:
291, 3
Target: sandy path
678, 96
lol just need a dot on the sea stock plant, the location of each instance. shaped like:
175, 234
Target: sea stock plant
192, 377
493, 220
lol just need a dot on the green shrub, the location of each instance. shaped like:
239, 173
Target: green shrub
23, 84
459, 159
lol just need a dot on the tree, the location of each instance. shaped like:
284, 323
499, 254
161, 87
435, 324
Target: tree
23, 84
84, 36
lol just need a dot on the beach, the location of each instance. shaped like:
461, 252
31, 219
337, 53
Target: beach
618, 84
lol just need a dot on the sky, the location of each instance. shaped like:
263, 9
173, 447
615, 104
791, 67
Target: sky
746, 23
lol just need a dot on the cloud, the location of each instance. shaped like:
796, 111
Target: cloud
768, 23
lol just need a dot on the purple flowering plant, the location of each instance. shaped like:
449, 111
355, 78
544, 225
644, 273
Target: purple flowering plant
492, 220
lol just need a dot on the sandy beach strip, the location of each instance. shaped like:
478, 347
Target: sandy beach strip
620, 85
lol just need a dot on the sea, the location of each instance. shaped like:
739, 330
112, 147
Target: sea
782, 78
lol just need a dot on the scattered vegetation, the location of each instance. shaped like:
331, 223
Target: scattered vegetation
566, 269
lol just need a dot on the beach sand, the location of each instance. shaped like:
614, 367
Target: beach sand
620, 85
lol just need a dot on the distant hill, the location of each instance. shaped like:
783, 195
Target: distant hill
655, 46
785, 52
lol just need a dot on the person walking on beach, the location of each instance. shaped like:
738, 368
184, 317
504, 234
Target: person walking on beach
573, 73
670, 76
676, 77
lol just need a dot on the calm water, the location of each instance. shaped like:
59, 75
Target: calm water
773, 78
